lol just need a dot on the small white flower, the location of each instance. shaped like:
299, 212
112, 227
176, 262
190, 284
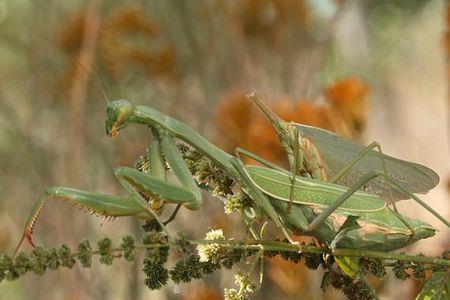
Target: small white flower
236, 202
230, 294
211, 251
245, 282
246, 287
228, 210
208, 252
215, 235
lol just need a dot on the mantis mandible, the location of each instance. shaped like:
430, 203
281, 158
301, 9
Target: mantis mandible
324, 219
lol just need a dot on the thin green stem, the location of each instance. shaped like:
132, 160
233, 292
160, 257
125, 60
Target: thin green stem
288, 247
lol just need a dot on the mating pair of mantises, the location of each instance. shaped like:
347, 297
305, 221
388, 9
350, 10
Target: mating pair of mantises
336, 191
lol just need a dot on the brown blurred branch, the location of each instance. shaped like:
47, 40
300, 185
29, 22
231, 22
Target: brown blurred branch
77, 107
77, 94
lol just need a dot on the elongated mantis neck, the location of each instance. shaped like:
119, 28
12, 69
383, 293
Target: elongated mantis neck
287, 135
148, 116
270, 115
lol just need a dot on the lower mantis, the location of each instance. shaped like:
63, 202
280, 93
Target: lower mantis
319, 208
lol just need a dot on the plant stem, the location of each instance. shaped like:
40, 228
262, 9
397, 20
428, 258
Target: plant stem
287, 247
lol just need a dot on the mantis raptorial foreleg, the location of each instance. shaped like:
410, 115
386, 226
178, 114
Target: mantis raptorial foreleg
107, 206
156, 186
156, 158
179, 167
296, 163
138, 186
147, 191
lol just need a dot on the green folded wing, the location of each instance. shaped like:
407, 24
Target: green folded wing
310, 192
337, 152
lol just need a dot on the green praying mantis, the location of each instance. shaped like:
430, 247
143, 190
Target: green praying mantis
298, 201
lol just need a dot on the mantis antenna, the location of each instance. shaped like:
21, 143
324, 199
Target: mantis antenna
100, 82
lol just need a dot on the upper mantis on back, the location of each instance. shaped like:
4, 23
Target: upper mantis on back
328, 156
148, 192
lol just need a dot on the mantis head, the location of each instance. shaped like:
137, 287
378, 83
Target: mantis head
286, 131
117, 116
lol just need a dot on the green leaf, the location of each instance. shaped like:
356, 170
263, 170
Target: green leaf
348, 265
436, 288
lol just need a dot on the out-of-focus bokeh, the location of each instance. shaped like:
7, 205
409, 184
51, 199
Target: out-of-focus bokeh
369, 70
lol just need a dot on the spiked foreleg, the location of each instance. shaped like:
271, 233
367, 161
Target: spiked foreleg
180, 169
94, 203
137, 183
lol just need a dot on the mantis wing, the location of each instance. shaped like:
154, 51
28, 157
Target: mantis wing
337, 152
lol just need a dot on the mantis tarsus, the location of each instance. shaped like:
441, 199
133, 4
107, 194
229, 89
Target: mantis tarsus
379, 227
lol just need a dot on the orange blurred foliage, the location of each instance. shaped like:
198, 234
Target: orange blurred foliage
233, 120
71, 33
127, 39
292, 279
267, 19
202, 292
348, 97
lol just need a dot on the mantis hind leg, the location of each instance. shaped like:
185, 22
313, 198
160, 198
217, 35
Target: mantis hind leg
361, 156
361, 182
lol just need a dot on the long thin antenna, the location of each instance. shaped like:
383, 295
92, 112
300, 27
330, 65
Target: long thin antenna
98, 78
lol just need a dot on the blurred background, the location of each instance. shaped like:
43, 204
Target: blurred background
369, 70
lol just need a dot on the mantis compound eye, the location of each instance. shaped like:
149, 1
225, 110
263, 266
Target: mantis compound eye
117, 115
